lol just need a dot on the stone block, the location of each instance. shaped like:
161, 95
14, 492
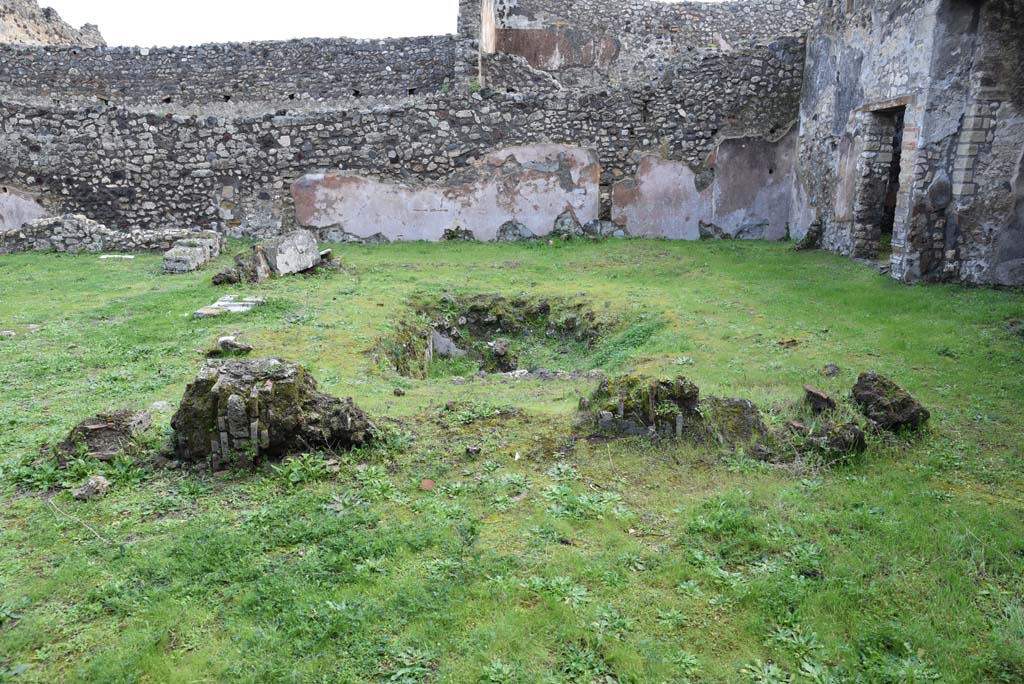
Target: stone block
230, 304
184, 258
294, 252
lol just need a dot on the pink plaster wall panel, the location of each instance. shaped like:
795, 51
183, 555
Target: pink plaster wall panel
17, 209
749, 197
661, 201
531, 184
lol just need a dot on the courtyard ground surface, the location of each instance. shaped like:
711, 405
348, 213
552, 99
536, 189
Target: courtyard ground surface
549, 556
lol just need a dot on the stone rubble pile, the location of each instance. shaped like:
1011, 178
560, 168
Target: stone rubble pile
74, 233
294, 252
672, 407
244, 412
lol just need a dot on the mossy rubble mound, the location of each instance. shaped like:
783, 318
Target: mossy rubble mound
640, 405
887, 404
243, 412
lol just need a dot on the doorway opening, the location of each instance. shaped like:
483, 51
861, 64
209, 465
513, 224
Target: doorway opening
878, 193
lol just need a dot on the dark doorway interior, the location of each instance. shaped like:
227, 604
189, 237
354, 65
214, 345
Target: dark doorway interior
892, 185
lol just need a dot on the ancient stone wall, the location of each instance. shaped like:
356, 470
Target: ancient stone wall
130, 168
950, 72
306, 72
612, 42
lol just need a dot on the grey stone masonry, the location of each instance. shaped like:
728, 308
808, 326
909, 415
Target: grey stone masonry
74, 233
293, 73
192, 253
134, 170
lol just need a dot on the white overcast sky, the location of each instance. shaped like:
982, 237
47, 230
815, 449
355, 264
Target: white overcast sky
149, 23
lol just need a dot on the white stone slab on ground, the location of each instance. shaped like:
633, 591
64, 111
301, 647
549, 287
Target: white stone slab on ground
230, 304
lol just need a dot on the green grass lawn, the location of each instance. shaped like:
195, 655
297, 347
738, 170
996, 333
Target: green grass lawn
546, 558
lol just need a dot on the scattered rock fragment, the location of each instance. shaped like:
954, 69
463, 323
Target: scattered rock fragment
443, 347
458, 234
229, 345
513, 231
95, 488
887, 404
830, 370
7, 334
241, 412
500, 358
103, 436
842, 438
125, 257
603, 228
399, 392
427, 485
567, 225
473, 451
819, 400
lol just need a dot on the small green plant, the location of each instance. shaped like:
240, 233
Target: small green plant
760, 672
672, 618
795, 640
409, 665
687, 664
581, 664
562, 472
564, 502
374, 483
470, 412
609, 623
302, 469
122, 470
562, 588
499, 672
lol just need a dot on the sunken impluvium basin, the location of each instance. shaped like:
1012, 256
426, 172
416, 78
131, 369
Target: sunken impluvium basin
459, 334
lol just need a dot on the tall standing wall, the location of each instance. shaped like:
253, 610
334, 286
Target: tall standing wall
131, 167
952, 72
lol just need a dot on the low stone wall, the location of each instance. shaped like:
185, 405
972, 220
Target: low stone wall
75, 233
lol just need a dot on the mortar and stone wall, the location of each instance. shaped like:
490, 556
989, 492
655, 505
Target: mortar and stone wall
611, 42
953, 70
293, 73
131, 169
